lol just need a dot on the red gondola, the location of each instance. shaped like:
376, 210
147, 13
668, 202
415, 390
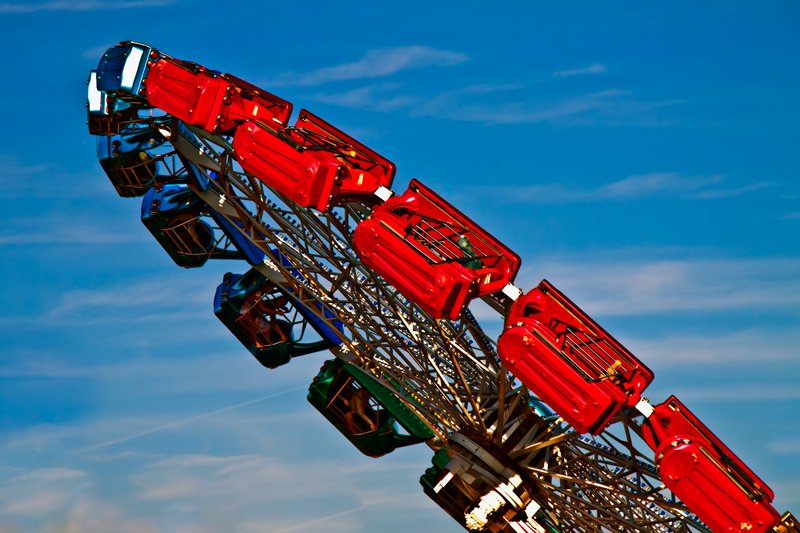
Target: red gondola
569, 361
313, 163
367, 169
217, 103
705, 474
433, 253
306, 177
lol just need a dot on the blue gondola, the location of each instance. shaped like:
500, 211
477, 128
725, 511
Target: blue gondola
106, 115
268, 320
173, 214
133, 163
123, 69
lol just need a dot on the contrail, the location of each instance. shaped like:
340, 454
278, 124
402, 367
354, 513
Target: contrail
349, 511
323, 519
184, 421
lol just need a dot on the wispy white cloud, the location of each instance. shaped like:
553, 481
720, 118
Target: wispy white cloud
610, 107
181, 422
784, 446
55, 232
738, 392
81, 5
623, 285
90, 515
157, 301
658, 183
376, 499
60, 499
596, 68
244, 481
791, 216
146, 296
736, 191
284, 459
379, 98
50, 180
740, 348
15, 168
787, 493
370, 97
661, 184
37, 491
374, 64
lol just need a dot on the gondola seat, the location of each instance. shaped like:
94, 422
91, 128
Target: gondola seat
173, 213
366, 412
261, 315
705, 474
313, 163
566, 359
216, 103
432, 253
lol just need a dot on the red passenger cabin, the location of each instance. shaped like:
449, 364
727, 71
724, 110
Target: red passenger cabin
432, 253
700, 470
217, 103
569, 361
313, 163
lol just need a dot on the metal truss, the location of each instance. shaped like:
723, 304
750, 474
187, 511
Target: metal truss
449, 372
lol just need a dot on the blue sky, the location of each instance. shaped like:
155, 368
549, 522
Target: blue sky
643, 159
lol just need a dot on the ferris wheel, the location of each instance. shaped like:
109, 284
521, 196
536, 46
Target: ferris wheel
545, 429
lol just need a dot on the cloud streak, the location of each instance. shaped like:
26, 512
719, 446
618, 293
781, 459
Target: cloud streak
751, 392
185, 421
785, 447
739, 348
596, 68
81, 5
370, 97
377, 98
374, 64
70, 233
624, 286
656, 184
612, 107
50, 180
162, 303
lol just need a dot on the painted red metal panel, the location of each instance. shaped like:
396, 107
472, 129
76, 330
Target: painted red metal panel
188, 93
367, 170
672, 419
306, 177
249, 102
532, 352
439, 290
569, 361
207, 100
432, 253
691, 471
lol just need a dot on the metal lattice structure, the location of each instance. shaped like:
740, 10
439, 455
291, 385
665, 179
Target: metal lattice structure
447, 372
450, 368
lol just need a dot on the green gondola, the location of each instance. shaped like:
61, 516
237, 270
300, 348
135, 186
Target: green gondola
364, 411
